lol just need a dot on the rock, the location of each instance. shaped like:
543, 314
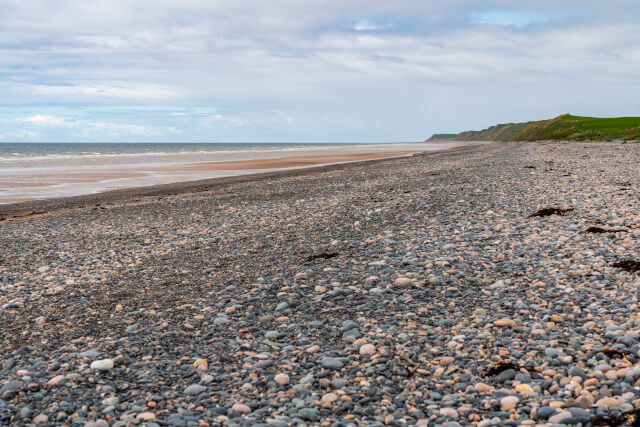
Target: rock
434, 281
281, 379
329, 399
446, 361
524, 388
39, 419
241, 407
11, 386
25, 412
505, 323
146, 416
499, 284
201, 363
90, 354
102, 365
403, 282
40, 321
308, 414
282, 306
367, 349
505, 375
544, 412
449, 412
552, 352
608, 402
313, 349
110, 401
338, 383
483, 388
263, 364
585, 401
508, 403
331, 363
221, 320
559, 417
194, 389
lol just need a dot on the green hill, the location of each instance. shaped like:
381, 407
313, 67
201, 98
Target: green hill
562, 128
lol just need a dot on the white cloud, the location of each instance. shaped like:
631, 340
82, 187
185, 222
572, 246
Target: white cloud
116, 90
118, 129
334, 67
46, 120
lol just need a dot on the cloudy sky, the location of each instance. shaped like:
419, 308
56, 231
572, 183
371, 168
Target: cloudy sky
291, 70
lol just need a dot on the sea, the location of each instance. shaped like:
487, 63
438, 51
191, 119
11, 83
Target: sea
45, 170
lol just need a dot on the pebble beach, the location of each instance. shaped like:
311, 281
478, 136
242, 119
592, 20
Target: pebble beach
493, 286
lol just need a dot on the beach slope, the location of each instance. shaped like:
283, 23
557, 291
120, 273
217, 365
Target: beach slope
461, 287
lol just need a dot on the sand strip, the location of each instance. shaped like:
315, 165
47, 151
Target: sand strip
304, 165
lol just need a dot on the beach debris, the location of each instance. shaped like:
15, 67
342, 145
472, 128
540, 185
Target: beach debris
325, 255
550, 211
632, 266
596, 229
501, 366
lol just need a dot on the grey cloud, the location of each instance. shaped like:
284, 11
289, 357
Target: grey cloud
289, 69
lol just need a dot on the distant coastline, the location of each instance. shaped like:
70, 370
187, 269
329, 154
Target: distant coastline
562, 128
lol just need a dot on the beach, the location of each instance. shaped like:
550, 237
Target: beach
488, 285
48, 171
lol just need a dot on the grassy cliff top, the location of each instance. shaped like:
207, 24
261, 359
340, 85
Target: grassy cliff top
562, 128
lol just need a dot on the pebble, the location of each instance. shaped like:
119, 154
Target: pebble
403, 282
331, 363
146, 416
329, 399
447, 304
194, 389
281, 379
505, 322
102, 365
434, 281
240, 407
508, 403
39, 419
367, 349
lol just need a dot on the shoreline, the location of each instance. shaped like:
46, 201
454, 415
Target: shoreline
29, 208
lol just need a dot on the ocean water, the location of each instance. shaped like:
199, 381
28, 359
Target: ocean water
46, 155
38, 171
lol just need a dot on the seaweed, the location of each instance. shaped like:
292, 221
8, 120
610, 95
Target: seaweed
630, 419
550, 211
325, 255
595, 229
501, 366
631, 266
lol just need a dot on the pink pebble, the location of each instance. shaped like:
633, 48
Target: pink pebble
55, 380
281, 379
367, 349
328, 399
240, 407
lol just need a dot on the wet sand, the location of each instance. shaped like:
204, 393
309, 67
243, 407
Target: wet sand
45, 183
193, 178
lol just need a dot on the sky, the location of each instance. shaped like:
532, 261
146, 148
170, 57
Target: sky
308, 71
